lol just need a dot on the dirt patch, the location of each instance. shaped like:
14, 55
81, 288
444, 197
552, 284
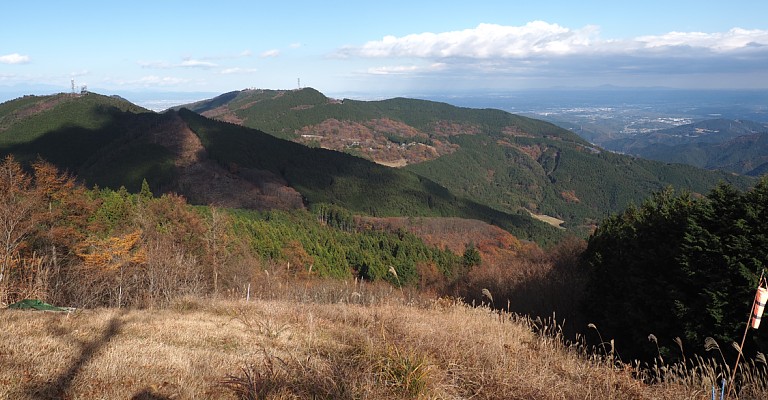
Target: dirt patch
451, 128
449, 233
394, 164
557, 223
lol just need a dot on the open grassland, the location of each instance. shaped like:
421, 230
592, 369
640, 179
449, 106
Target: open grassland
356, 342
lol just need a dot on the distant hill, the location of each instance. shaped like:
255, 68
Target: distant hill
730, 145
506, 161
106, 141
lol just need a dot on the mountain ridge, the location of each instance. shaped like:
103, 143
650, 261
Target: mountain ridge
513, 163
499, 167
225, 164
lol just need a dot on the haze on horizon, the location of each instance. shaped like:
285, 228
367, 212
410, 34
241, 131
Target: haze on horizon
381, 48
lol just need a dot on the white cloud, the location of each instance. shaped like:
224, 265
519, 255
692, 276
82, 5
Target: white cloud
270, 53
14, 58
238, 70
152, 80
186, 63
190, 63
404, 69
541, 39
295, 45
484, 41
546, 54
733, 40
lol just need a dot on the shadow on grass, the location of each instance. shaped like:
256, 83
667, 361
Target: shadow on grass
58, 387
149, 394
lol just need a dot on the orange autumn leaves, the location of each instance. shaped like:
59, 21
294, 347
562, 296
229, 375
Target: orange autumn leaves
112, 252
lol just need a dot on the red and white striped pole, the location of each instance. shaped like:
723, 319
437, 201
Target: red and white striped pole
757, 311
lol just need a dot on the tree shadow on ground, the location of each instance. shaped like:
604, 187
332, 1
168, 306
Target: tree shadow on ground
149, 394
58, 387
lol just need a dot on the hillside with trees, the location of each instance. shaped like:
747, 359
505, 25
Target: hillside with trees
106, 142
102, 247
91, 248
511, 163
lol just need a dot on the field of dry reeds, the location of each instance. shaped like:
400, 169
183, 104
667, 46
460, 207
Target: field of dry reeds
326, 340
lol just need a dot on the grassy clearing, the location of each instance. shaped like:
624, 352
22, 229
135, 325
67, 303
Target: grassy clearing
363, 342
557, 223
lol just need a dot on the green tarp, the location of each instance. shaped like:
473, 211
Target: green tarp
34, 304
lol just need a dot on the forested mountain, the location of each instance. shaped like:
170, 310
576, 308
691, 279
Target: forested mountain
735, 146
509, 162
483, 164
111, 143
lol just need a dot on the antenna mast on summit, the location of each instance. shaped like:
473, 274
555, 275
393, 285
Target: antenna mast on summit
299, 81
73, 85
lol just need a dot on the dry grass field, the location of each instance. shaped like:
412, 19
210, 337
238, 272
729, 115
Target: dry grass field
324, 343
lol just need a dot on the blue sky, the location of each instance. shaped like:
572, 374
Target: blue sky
382, 48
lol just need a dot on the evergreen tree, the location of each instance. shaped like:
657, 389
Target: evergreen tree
471, 256
145, 193
678, 267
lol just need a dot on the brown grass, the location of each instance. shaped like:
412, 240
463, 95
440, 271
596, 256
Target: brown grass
350, 346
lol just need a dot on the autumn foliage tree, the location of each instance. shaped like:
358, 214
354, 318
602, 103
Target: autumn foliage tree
19, 211
68, 245
42, 215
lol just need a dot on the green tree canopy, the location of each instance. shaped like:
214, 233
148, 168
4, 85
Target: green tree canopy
679, 266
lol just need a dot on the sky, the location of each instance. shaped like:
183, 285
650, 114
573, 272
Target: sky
376, 48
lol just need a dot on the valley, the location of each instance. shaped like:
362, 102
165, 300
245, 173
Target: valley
601, 115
